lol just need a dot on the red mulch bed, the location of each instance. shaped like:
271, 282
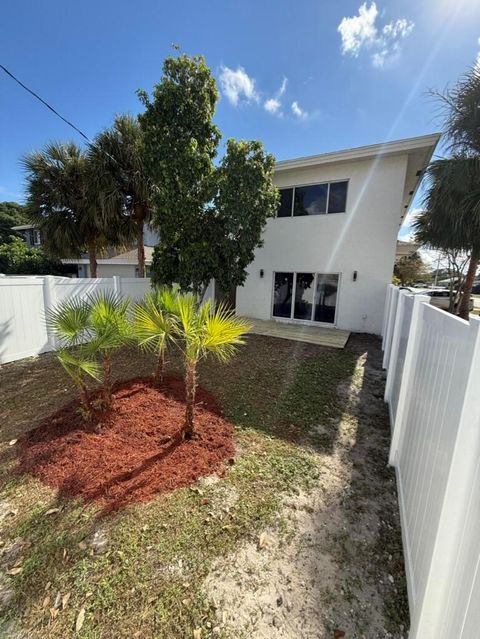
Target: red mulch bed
132, 460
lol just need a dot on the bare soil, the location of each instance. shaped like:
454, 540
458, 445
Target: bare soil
137, 455
332, 564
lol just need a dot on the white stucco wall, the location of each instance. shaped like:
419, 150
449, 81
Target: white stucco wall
363, 239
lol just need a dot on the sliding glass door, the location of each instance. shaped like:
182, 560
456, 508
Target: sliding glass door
305, 296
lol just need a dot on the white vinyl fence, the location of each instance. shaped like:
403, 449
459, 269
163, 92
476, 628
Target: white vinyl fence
24, 301
433, 392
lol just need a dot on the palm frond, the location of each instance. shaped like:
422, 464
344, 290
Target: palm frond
224, 331
78, 366
70, 321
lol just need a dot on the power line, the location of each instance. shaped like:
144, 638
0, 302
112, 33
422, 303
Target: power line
35, 95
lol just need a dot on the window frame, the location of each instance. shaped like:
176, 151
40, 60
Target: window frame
310, 322
294, 186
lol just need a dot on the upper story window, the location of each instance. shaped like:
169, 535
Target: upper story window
315, 199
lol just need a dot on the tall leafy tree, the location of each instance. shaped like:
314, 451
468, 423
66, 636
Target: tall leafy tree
16, 258
409, 269
119, 175
11, 214
63, 205
450, 218
210, 217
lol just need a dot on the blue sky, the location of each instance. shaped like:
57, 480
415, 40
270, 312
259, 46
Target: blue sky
304, 77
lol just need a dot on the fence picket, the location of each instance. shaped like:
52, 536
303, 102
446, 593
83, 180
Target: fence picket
433, 381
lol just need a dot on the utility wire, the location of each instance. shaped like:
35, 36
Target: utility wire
35, 95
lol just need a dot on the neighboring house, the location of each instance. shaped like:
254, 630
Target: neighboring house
405, 249
123, 264
328, 255
30, 234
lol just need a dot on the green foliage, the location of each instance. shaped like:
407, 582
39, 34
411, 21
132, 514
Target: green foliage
155, 326
462, 123
210, 217
16, 258
96, 326
11, 214
120, 178
65, 204
409, 269
450, 218
203, 330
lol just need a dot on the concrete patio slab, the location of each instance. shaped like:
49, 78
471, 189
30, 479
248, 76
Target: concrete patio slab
332, 337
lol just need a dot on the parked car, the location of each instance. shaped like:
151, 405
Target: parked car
441, 298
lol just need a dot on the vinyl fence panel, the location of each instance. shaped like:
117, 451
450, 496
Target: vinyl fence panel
434, 400
24, 302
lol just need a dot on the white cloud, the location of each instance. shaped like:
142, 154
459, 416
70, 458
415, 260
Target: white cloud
298, 111
361, 32
273, 105
237, 85
477, 61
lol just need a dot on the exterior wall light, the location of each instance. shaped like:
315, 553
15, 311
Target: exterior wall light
261, 272
355, 275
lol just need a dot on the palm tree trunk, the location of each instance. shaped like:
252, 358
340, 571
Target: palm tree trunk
85, 402
190, 390
92, 256
140, 214
107, 381
158, 375
464, 308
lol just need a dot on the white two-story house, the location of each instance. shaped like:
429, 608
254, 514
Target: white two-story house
328, 255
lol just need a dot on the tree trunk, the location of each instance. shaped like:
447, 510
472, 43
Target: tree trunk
158, 375
92, 256
190, 390
140, 215
464, 308
107, 381
85, 402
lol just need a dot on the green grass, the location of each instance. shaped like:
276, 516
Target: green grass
148, 577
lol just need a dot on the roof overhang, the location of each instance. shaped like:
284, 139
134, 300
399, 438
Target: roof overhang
397, 147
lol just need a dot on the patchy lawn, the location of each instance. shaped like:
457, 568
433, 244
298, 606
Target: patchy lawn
299, 539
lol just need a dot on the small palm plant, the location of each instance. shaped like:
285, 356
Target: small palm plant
155, 325
204, 329
69, 321
97, 325
109, 328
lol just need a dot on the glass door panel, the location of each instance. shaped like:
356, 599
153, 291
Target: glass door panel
282, 295
304, 292
325, 298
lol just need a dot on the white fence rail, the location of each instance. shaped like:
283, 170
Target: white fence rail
24, 302
433, 391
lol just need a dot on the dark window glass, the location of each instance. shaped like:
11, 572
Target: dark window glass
282, 296
304, 296
337, 199
326, 298
310, 200
285, 206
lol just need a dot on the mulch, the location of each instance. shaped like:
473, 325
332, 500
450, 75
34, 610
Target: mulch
138, 454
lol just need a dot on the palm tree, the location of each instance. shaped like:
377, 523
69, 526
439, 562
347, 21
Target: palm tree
97, 325
204, 329
155, 325
109, 329
63, 205
451, 214
117, 158
69, 321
